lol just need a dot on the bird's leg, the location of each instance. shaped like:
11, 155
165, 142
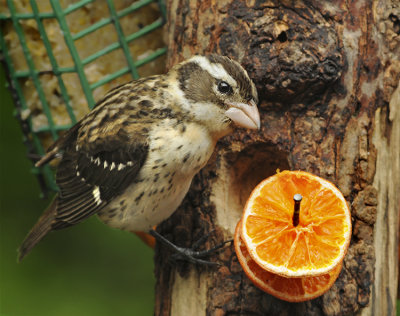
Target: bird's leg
190, 254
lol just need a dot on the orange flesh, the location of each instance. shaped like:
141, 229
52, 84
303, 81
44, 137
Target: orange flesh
322, 228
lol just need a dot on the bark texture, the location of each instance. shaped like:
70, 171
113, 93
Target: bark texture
327, 73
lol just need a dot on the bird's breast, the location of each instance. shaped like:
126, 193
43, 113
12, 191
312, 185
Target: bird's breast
175, 155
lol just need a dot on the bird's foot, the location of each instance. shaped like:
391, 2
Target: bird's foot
191, 254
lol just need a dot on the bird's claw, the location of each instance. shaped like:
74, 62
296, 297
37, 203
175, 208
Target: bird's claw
191, 254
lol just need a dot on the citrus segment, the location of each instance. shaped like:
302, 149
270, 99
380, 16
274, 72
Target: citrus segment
314, 245
288, 289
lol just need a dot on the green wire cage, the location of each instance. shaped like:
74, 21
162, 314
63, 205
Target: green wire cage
103, 43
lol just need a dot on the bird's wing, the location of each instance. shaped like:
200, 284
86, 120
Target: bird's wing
101, 156
95, 169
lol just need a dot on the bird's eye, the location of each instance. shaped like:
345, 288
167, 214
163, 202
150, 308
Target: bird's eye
224, 87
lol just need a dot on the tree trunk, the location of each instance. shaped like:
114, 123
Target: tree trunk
327, 73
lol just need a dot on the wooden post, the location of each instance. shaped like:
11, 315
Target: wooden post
327, 73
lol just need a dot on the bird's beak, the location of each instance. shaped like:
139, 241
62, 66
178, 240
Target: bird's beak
244, 114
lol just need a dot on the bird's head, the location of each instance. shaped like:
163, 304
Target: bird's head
218, 91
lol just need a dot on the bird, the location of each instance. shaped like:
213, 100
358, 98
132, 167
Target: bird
132, 158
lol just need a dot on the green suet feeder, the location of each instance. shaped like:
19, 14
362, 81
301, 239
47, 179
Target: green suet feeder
62, 55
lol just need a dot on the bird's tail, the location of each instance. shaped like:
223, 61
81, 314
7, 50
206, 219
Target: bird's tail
41, 228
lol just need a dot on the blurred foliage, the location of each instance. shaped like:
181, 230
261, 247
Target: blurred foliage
89, 269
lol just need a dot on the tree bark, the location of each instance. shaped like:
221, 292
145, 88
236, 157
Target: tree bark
327, 73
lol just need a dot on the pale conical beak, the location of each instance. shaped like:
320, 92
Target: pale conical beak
244, 114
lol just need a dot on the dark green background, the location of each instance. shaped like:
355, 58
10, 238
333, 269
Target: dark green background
89, 269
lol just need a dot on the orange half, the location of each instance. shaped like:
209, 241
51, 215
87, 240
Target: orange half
288, 289
320, 240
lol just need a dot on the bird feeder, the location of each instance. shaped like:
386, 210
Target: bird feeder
62, 56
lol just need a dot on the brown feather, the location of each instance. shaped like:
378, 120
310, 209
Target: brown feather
41, 228
47, 157
54, 150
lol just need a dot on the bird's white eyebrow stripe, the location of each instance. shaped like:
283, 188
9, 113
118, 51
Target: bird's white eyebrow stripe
216, 70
